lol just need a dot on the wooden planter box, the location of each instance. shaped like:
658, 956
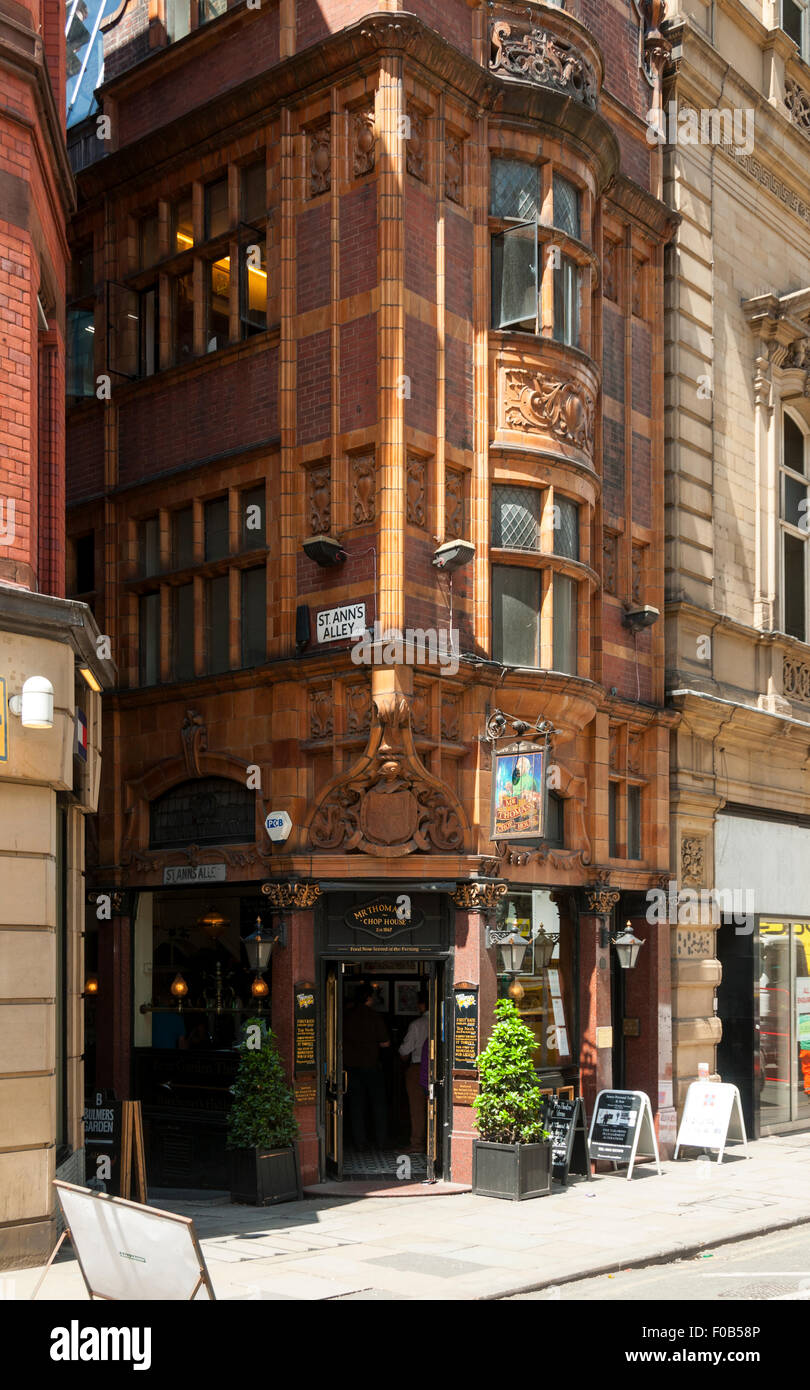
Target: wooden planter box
261, 1177
512, 1171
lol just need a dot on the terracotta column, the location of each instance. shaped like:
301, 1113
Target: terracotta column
596, 1063
472, 965
294, 964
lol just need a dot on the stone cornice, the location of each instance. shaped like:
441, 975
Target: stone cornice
22, 50
55, 620
648, 211
355, 49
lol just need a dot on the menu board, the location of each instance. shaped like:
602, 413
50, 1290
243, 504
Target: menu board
304, 1027
565, 1122
465, 1027
102, 1142
613, 1128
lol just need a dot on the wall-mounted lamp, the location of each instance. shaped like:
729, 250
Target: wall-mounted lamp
34, 707
324, 550
627, 947
453, 555
90, 679
638, 618
179, 989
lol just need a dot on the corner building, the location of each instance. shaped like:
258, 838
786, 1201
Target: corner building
384, 280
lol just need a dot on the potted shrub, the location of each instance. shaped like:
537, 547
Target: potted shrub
262, 1128
512, 1158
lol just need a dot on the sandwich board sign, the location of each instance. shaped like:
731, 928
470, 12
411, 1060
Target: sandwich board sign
566, 1123
131, 1252
711, 1117
622, 1129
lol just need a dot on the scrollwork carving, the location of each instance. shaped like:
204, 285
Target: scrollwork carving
363, 489
693, 855
416, 488
538, 56
363, 141
320, 499
540, 403
320, 161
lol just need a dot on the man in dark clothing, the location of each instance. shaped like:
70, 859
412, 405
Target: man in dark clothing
364, 1033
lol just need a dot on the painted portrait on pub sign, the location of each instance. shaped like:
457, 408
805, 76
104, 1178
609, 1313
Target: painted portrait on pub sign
518, 796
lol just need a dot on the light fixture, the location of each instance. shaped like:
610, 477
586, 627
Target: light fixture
91, 984
324, 550
453, 555
638, 618
627, 947
90, 679
35, 705
512, 944
259, 988
259, 947
544, 944
213, 923
179, 989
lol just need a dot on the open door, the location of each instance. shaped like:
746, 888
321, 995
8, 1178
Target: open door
335, 1078
435, 1081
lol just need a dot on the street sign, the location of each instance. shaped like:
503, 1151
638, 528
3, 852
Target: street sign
622, 1122
278, 825
711, 1117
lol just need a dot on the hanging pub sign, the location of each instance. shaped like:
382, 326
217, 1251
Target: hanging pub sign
565, 1122
465, 1027
622, 1129
519, 793
385, 917
304, 1028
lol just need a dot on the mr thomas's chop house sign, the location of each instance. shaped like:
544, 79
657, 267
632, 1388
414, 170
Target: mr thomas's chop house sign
384, 917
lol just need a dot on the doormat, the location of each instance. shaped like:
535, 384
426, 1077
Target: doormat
383, 1163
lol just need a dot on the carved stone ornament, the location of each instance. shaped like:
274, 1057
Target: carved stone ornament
420, 712
320, 161
536, 55
291, 894
637, 574
194, 737
610, 562
635, 754
321, 715
479, 897
388, 804
320, 499
363, 488
610, 270
796, 678
798, 105
454, 518
454, 169
358, 708
416, 486
546, 404
693, 854
416, 142
601, 901
153, 861
451, 730
363, 140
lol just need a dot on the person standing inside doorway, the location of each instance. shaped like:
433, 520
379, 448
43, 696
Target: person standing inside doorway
411, 1052
364, 1033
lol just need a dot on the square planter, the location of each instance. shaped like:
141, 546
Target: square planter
512, 1171
261, 1177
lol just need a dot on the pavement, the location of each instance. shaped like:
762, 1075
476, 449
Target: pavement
458, 1246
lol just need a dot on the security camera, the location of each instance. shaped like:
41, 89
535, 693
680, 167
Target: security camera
453, 554
638, 618
324, 550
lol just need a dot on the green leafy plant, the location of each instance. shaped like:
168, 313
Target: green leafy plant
509, 1107
262, 1114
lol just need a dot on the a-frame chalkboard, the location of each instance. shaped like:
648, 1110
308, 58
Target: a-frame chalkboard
568, 1127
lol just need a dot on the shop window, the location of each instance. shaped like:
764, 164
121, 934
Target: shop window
253, 191
182, 223
183, 317
217, 528
183, 632
149, 638
216, 208
217, 624
218, 304
149, 546
183, 538
148, 233
251, 509
564, 656
794, 527
206, 811
784, 1013
80, 350
252, 288
566, 528
546, 976
254, 622
516, 615
634, 822
516, 515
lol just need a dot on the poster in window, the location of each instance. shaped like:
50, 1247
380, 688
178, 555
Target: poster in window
518, 795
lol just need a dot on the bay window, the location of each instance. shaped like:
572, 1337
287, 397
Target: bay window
528, 601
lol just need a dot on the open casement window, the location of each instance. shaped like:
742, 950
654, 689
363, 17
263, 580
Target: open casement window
252, 280
794, 512
515, 278
795, 21
133, 331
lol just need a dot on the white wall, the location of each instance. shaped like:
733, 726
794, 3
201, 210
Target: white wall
771, 858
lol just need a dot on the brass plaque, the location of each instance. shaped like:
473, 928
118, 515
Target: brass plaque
464, 1091
306, 1092
631, 1027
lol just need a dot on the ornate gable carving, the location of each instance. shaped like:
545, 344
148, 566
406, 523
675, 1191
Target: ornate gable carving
388, 804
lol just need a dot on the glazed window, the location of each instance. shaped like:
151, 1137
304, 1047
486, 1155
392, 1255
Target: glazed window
148, 331
252, 288
514, 189
217, 214
83, 275
182, 224
516, 603
547, 973
795, 24
795, 527
149, 546
633, 822
84, 564
217, 544
251, 509
183, 538
217, 624
253, 191
565, 600
148, 244
178, 19
210, 9
567, 212
183, 632
218, 300
80, 353
566, 528
254, 622
149, 638
566, 302
183, 317
613, 819
516, 513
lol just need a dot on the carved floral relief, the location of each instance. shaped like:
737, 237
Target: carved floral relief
540, 403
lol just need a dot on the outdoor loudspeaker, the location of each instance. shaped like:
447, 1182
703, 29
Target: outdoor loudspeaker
302, 626
453, 554
324, 550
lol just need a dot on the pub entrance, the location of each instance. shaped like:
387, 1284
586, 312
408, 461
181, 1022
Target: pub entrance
384, 1113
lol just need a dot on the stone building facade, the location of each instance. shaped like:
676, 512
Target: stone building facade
738, 662
363, 285
49, 775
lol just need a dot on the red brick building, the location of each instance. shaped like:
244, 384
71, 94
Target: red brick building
362, 284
